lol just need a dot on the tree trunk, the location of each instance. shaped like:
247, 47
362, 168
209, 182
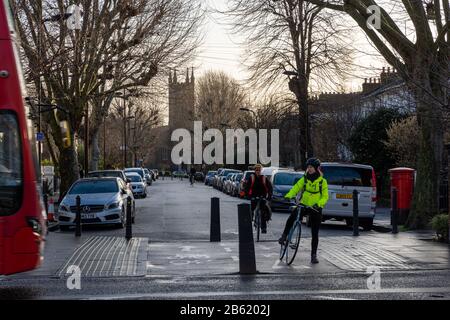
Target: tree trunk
68, 169
426, 195
95, 151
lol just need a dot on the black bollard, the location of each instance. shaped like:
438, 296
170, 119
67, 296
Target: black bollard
247, 261
355, 214
215, 220
78, 218
394, 211
128, 231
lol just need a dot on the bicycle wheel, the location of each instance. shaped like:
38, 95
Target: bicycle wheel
293, 242
283, 250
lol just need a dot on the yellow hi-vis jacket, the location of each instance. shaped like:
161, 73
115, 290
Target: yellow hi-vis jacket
311, 192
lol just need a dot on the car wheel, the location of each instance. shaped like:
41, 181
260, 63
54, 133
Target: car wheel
367, 224
144, 196
121, 224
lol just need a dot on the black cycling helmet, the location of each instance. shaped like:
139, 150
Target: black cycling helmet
314, 162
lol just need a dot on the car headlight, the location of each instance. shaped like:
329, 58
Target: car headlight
113, 205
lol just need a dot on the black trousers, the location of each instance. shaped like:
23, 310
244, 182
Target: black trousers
315, 220
265, 214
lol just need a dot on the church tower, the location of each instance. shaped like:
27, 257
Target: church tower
181, 101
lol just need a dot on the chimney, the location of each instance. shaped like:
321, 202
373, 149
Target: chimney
192, 75
187, 75
175, 76
170, 76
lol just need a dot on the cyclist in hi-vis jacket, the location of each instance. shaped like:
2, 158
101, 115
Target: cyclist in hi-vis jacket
314, 190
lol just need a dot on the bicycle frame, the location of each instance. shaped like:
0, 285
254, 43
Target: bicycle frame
284, 250
257, 216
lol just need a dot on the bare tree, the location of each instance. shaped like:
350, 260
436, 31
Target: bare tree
423, 62
121, 44
218, 100
296, 36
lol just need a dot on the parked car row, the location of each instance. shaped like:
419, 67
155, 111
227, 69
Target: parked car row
342, 179
104, 195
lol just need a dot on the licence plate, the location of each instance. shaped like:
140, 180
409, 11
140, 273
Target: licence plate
88, 216
344, 196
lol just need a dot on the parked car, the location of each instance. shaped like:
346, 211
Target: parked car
342, 180
103, 201
243, 183
216, 177
235, 185
138, 185
140, 171
283, 181
107, 173
209, 177
221, 178
199, 176
227, 181
149, 177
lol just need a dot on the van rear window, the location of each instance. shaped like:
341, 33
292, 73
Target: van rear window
347, 176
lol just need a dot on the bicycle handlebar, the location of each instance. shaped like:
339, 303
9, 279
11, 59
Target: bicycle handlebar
304, 206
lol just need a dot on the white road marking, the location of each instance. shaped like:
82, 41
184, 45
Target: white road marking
235, 258
310, 293
186, 248
227, 249
149, 265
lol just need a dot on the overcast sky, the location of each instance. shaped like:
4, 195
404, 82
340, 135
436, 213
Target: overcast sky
222, 50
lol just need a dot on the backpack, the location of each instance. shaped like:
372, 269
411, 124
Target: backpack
320, 187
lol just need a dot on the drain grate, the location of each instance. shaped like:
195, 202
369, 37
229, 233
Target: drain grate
102, 256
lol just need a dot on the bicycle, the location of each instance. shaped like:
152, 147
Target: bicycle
293, 239
257, 216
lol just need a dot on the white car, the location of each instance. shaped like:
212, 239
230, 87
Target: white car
103, 201
342, 179
138, 185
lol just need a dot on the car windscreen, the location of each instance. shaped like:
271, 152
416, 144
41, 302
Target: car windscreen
134, 178
140, 172
347, 176
239, 177
211, 173
11, 175
286, 178
95, 186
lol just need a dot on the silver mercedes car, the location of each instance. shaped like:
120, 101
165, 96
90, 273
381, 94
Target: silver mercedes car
103, 201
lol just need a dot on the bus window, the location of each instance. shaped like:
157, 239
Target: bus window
11, 179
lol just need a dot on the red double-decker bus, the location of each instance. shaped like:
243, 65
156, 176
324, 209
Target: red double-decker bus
22, 219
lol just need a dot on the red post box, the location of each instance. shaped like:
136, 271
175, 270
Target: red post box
403, 180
